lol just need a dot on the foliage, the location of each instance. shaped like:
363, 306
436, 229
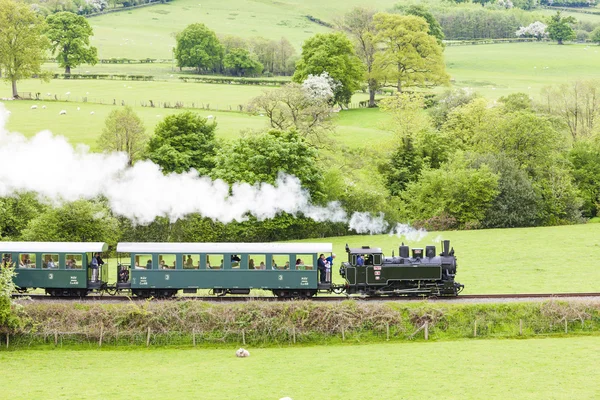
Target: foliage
332, 53
559, 28
455, 190
69, 36
403, 167
183, 141
359, 26
319, 87
198, 47
585, 160
292, 106
22, 45
277, 56
241, 63
9, 317
516, 102
595, 35
435, 29
16, 212
577, 104
448, 101
261, 158
410, 56
124, 131
78, 221
536, 29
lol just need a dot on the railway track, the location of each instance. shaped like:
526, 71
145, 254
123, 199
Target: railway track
241, 299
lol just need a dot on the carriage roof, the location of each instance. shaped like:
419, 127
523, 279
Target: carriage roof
226, 248
53, 247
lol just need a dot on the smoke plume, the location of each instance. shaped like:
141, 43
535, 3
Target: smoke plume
51, 167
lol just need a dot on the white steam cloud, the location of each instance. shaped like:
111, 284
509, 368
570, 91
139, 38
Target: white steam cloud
50, 166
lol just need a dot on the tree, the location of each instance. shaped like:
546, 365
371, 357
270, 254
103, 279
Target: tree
435, 29
69, 36
359, 25
410, 56
560, 29
22, 45
595, 35
293, 106
261, 158
184, 141
241, 63
198, 47
585, 161
124, 131
536, 29
79, 221
16, 212
332, 53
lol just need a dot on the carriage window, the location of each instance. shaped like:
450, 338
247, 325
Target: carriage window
7, 260
235, 261
27, 260
281, 262
191, 261
142, 261
74, 261
214, 261
304, 262
377, 259
50, 261
257, 261
166, 261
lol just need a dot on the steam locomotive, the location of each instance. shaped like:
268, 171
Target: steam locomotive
288, 270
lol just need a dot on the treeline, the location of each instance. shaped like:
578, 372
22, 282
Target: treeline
201, 49
84, 7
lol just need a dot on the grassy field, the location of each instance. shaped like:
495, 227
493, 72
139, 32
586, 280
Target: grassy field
482, 369
522, 260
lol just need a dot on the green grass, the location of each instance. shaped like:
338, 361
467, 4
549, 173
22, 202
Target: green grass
496, 70
520, 260
482, 369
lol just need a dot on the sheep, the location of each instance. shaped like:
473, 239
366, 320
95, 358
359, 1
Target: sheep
62, 112
242, 353
78, 108
91, 113
33, 107
68, 93
285, 398
210, 117
44, 107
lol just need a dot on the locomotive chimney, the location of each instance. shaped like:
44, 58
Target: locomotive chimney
446, 247
403, 251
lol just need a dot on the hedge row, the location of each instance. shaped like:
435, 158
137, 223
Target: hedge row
267, 323
233, 81
122, 77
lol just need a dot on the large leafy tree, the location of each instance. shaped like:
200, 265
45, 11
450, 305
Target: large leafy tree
16, 212
184, 141
79, 221
261, 158
241, 63
124, 131
410, 56
435, 29
22, 45
359, 25
559, 28
69, 36
198, 47
332, 53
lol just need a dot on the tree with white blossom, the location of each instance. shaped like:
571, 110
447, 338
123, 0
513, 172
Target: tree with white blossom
536, 29
320, 87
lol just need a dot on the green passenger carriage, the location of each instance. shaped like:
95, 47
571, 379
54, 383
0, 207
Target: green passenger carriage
59, 267
162, 269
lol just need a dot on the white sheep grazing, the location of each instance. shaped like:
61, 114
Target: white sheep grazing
92, 113
68, 93
62, 112
33, 107
285, 398
78, 108
210, 117
44, 107
242, 353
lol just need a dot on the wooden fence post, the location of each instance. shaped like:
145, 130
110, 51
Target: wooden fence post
101, 334
194, 336
520, 327
294, 334
343, 334
566, 326
56, 338
475, 329
426, 330
148, 338
7, 339
387, 330
244, 336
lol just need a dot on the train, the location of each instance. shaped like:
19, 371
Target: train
287, 270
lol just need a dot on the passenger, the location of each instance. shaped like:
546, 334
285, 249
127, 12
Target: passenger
21, 263
100, 261
162, 264
321, 267
94, 267
221, 266
298, 261
174, 265
50, 264
329, 266
251, 264
189, 263
262, 265
273, 264
235, 258
137, 266
360, 261
287, 265
149, 264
